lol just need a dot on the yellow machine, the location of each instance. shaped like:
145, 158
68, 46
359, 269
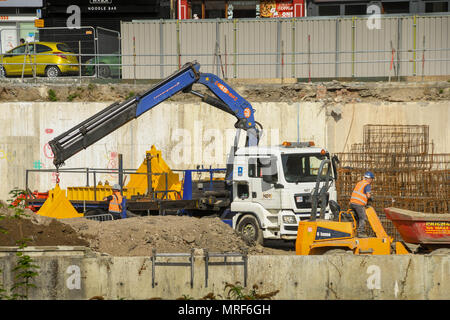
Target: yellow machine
138, 182
165, 183
335, 237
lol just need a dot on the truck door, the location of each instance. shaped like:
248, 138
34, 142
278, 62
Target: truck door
263, 178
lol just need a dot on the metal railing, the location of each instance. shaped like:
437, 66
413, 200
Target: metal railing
154, 194
101, 217
405, 45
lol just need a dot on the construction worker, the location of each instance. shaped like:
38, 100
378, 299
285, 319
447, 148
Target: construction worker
115, 202
361, 194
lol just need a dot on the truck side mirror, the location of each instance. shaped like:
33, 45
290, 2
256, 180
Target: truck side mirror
270, 178
335, 161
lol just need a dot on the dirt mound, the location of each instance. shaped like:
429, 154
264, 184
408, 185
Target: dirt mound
137, 236
40, 231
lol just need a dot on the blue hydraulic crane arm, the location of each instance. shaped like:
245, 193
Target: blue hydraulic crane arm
116, 115
236, 104
229, 100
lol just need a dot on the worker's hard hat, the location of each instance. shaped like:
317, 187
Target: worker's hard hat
369, 174
116, 187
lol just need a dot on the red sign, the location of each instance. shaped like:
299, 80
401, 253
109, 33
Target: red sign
276, 8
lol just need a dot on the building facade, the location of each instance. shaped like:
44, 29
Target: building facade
358, 7
230, 9
17, 21
102, 13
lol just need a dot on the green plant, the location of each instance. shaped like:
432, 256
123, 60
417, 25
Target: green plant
237, 292
2, 230
72, 96
2, 291
17, 201
131, 94
24, 273
91, 86
24, 270
52, 95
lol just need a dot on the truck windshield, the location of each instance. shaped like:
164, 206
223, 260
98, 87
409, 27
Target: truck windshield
303, 167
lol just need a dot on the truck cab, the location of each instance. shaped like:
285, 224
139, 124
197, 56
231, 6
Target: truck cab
273, 186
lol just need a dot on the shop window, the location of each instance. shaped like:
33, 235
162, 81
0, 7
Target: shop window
355, 10
26, 11
213, 14
396, 7
7, 11
196, 10
214, 9
436, 7
329, 10
244, 13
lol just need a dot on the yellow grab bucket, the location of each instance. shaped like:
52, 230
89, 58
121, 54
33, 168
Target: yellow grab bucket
58, 206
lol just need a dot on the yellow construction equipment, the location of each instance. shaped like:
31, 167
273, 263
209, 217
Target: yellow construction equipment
58, 206
165, 183
137, 184
335, 237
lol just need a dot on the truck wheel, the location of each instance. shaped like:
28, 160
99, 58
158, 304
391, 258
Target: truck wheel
248, 228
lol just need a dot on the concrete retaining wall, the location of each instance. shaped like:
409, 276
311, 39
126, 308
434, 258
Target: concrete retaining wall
74, 275
188, 134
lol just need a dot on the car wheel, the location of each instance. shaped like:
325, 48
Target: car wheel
52, 72
2, 72
104, 71
248, 228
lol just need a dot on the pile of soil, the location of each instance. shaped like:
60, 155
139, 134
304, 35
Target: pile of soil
39, 231
136, 236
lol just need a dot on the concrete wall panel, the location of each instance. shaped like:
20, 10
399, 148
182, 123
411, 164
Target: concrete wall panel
187, 134
65, 276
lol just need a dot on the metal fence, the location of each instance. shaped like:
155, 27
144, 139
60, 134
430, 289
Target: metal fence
91, 52
101, 217
392, 46
305, 48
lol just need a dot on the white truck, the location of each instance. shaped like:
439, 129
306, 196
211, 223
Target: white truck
267, 190
273, 189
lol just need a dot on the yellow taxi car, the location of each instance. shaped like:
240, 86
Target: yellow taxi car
51, 59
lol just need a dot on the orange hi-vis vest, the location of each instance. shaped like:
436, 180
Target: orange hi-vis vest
358, 195
115, 203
